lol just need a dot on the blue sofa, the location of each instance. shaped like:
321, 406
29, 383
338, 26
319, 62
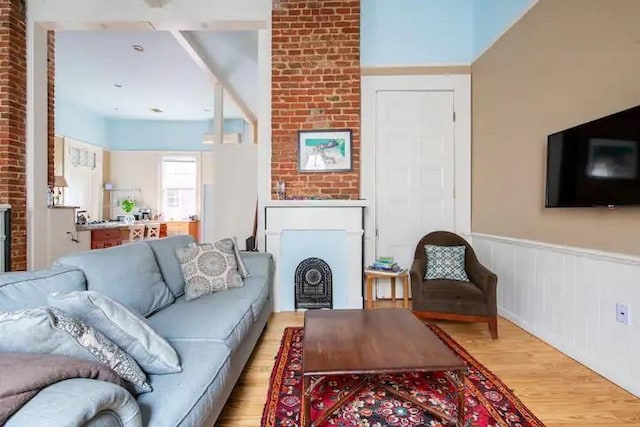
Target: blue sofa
214, 336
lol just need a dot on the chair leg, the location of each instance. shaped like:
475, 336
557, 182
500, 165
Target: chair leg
493, 327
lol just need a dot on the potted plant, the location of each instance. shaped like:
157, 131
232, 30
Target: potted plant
127, 206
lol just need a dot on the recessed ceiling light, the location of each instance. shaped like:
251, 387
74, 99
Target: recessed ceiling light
207, 110
117, 85
137, 47
116, 109
156, 110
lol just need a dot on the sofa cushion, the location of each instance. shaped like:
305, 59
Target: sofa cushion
126, 329
165, 252
451, 290
129, 274
187, 398
255, 290
216, 317
29, 289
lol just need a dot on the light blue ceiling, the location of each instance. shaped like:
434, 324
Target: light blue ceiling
491, 18
416, 32
90, 63
429, 32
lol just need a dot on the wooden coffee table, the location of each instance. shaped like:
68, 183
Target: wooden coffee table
369, 343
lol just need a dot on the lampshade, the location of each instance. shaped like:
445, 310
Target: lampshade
59, 181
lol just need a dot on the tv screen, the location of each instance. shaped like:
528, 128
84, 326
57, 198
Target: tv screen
596, 164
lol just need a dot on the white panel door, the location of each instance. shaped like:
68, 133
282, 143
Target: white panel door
414, 171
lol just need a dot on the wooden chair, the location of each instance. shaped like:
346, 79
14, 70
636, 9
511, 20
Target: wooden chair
136, 232
473, 301
153, 231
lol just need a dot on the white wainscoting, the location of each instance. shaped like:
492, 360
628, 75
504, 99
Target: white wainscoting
567, 297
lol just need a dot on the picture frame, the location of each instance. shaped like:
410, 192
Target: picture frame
325, 150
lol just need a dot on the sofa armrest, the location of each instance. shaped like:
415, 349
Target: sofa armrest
79, 402
259, 264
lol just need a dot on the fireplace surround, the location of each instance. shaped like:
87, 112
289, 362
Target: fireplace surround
331, 231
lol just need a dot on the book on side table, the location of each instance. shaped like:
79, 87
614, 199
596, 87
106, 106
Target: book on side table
385, 264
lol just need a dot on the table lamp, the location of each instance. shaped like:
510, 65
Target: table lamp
59, 182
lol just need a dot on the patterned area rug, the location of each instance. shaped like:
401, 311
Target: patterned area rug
488, 401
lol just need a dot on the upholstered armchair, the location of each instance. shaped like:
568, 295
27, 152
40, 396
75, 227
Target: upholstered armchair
473, 301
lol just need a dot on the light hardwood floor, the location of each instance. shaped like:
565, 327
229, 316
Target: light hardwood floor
557, 389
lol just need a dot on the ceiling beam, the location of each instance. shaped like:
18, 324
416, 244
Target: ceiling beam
156, 3
201, 59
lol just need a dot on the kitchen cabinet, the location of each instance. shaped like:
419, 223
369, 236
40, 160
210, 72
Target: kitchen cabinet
175, 228
106, 238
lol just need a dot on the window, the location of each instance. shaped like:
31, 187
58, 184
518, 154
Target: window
179, 181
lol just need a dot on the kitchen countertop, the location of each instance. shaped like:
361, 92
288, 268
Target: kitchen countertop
121, 224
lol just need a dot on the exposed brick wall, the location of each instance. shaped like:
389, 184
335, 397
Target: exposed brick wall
13, 99
51, 80
315, 85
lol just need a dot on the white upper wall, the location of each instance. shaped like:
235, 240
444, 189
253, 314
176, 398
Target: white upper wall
178, 14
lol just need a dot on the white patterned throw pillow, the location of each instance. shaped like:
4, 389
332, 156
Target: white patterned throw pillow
209, 268
445, 262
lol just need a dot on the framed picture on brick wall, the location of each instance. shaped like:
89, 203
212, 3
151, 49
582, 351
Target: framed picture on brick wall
325, 150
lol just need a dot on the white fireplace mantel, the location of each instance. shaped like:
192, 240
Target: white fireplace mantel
317, 203
310, 216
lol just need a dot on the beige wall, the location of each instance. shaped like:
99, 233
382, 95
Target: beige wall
565, 63
141, 170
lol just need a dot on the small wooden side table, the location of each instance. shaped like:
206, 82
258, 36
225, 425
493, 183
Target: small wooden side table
371, 275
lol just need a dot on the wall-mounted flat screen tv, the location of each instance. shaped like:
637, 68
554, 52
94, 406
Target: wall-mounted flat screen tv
595, 164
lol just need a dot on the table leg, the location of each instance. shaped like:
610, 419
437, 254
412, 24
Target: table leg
459, 375
393, 289
306, 402
405, 291
369, 296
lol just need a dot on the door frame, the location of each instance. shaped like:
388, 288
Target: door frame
460, 85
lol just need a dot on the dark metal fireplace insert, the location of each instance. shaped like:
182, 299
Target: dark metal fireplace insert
314, 284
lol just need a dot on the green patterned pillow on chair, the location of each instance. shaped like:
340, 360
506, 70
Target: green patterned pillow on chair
445, 262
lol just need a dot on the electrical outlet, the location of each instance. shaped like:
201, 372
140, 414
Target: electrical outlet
622, 314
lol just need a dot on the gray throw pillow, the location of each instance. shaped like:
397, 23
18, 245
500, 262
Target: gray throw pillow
242, 268
445, 262
128, 330
51, 331
209, 268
